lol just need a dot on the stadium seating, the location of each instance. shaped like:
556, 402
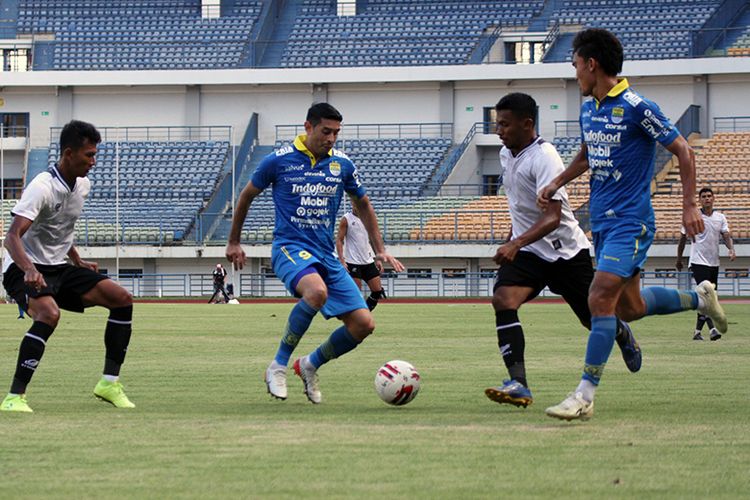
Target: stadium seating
380, 162
407, 32
723, 164
162, 186
103, 35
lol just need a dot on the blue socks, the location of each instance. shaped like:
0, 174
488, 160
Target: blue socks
340, 342
299, 321
660, 300
601, 340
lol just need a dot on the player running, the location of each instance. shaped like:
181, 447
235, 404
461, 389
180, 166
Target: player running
37, 276
308, 180
546, 249
619, 130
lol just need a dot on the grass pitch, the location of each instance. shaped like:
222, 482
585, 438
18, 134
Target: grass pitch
204, 426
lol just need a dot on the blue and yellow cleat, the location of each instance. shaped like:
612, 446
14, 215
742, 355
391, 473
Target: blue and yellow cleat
511, 392
631, 351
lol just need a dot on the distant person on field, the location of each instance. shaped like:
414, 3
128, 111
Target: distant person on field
308, 179
704, 253
356, 255
220, 278
38, 277
545, 248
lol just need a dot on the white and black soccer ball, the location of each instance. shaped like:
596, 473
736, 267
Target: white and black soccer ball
397, 382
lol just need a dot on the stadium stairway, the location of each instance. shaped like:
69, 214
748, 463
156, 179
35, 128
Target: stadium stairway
8, 19
38, 163
282, 30
540, 22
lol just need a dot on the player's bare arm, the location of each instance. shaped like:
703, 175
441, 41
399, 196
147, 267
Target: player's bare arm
370, 221
18, 227
340, 237
234, 252
577, 167
548, 222
680, 250
76, 260
691, 216
727, 237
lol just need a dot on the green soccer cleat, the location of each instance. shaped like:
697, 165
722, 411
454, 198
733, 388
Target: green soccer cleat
112, 392
16, 403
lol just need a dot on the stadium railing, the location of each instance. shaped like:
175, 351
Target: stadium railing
731, 124
287, 133
714, 31
451, 283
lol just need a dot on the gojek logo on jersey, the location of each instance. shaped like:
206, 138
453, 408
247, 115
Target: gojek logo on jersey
314, 189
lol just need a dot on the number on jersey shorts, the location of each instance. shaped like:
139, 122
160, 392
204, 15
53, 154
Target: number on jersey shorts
344, 296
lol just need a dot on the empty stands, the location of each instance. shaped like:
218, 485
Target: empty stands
162, 186
104, 35
405, 32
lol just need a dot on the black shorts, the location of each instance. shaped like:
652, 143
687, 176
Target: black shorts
65, 283
570, 278
363, 271
703, 273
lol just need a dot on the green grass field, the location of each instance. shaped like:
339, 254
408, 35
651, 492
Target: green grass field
204, 426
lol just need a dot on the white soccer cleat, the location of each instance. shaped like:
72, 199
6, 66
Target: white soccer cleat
309, 375
573, 407
276, 380
711, 307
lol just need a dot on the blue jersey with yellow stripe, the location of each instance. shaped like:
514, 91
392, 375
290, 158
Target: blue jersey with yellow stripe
620, 134
307, 193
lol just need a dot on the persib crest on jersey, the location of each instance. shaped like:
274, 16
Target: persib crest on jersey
335, 168
618, 113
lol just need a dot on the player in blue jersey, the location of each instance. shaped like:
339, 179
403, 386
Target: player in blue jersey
619, 130
308, 180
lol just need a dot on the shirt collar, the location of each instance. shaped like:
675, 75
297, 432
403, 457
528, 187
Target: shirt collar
55, 171
622, 86
299, 144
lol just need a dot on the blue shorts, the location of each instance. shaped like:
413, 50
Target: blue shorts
288, 260
622, 249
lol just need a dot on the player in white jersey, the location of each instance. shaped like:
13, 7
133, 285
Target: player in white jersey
704, 253
355, 253
545, 248
37, 276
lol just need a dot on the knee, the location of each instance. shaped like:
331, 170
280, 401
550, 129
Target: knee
629, 313
47, 315
362, 329
123, 299
600, 304
316, 297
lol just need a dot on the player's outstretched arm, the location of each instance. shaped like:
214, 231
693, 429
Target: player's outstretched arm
548, 222
370, 221
76, 259
18, 227
727, 236
234, 252
680, 250
691, 216
577, 167
340, 237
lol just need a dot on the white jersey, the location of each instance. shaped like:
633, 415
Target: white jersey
705, 249
523, 177
54, 209
357, 248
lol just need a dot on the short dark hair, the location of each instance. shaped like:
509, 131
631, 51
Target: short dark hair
521, 105
75, 132
602, 45
321, 111
705, 190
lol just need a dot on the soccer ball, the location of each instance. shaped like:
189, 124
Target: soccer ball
397, 382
